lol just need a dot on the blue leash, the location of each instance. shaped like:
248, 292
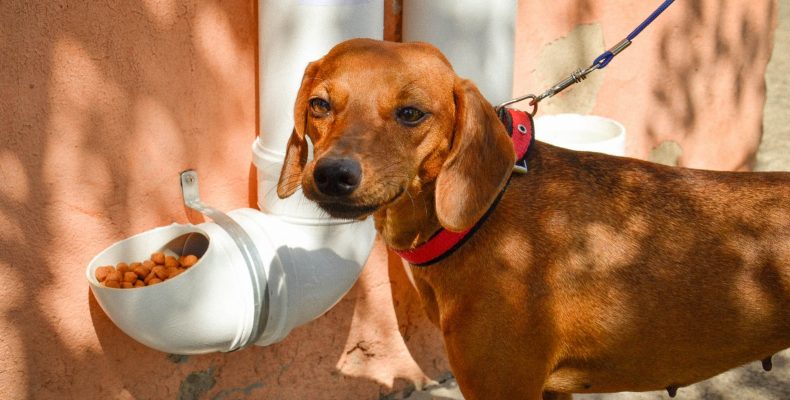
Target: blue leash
600, 62
604, 59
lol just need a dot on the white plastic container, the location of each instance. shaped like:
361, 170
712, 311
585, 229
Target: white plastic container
476, 36
582, 132
209, 307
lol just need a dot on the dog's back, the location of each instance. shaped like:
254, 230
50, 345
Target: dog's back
660, 274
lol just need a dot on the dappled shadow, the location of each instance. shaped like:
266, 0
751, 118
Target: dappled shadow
102, 106
423, 340
685, 269
105, 104
712, 59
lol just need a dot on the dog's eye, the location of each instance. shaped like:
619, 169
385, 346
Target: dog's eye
409, 115
319, 106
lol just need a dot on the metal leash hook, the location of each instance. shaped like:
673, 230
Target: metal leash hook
574, 78
533, 103
599, 63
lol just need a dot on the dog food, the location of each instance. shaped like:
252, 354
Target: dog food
157, 269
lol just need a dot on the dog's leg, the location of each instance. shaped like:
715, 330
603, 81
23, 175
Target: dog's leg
557, 396
494, 373
767, 364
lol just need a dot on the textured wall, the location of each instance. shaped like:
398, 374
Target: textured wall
774, 152
102, 104
694, 78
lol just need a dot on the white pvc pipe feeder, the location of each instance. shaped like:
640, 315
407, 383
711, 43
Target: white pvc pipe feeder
477, 37
260, 274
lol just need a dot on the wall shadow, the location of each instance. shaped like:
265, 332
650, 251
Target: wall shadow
103, 105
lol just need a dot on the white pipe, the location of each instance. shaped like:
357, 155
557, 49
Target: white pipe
309, 261
208, 308
292, 34
328, 256
476, 36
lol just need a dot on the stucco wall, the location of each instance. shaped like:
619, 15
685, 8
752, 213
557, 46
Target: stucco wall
695, 77
103, 104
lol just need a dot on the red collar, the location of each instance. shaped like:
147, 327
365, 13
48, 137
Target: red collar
521, 129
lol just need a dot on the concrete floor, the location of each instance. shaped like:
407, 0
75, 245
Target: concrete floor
774, 152
750, 381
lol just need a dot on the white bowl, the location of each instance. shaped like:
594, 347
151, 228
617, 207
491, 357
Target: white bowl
582, 132
210, 307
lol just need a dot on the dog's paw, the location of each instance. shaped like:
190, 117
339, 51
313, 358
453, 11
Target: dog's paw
425, 383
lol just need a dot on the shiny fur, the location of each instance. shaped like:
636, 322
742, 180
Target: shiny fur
594, 273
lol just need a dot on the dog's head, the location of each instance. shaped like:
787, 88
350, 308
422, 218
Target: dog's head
390, 118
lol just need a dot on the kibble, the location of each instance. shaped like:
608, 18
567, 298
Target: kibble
188, 260
112, 284
148, 278
158, 258
129, 276
142, 271
158, 268
160, 272
154, 281
114, 275
122, 268
171, 262
101, 272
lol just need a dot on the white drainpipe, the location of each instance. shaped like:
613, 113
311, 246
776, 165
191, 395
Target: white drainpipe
476, 36
260, 274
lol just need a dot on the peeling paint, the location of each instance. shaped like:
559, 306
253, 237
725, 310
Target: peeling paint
196, 385
235, 393
177, 358
667, 153
565, 55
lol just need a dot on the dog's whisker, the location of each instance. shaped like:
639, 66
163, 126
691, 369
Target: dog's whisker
413, 206
287, 186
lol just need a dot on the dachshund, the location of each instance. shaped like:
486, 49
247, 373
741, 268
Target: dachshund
588, 273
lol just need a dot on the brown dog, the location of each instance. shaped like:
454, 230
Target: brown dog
592, 274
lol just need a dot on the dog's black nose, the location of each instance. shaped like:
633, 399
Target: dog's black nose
337, 176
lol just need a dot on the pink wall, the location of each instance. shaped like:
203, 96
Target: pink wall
103, 104
694, 77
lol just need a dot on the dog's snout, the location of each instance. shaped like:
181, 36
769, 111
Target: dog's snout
337, 176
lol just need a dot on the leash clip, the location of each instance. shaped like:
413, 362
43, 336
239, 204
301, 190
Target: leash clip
533, 103
521, 169
599, 63
575, 77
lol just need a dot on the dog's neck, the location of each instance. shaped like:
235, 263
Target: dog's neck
409, 221
412, 220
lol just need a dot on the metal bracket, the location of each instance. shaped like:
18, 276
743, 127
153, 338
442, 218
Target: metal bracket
191, 194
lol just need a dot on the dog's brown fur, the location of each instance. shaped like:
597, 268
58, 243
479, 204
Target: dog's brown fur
593, 274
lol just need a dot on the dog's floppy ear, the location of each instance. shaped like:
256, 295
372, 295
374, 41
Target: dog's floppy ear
296, 151
479, 163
